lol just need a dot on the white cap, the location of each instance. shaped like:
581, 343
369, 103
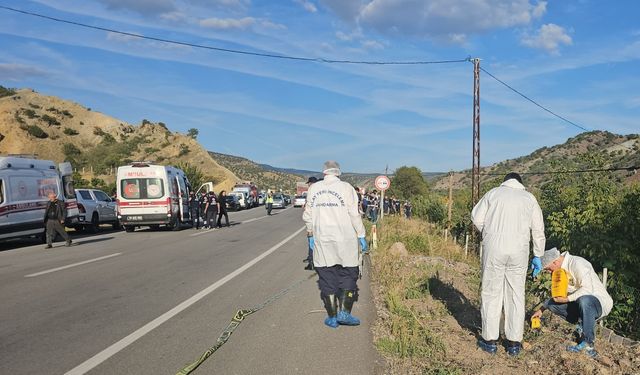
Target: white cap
549, 256
331, 167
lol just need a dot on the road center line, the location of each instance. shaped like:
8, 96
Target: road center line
72, 265
97, 359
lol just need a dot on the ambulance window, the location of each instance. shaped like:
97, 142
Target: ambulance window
142, 188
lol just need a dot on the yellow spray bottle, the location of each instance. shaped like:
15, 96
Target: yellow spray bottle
559, 283
535, 322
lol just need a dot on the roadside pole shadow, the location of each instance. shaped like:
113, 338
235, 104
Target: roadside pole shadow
464, 311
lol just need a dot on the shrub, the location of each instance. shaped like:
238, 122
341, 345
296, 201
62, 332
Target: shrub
50, 120
4, 91
146, 122
67, 113
98, 131
193, 133
30, 113
34, 106
69, 131
184, 149
69, 149
36, 131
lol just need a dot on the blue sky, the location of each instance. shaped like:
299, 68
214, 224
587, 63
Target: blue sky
578, 58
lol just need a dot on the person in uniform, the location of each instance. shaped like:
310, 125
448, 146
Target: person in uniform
309, 259
269, 202
194, 209
211, 210
222, 209
54, 220
334, 230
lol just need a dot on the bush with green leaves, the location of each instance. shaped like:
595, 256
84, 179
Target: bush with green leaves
69, 131
50, 120
36, 131
4, 91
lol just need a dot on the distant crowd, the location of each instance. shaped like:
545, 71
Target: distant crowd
370, 206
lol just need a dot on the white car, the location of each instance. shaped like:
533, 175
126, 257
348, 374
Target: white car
96, 208
299, 201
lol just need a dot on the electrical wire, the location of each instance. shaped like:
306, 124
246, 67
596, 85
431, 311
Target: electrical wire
533, 101
229, 50
631, 169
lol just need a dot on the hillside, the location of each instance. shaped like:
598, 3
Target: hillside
589, 150
265, 178
57, 129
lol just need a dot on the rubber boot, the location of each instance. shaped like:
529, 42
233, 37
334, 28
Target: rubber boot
488, 346
345, 303
513, 348
331, 305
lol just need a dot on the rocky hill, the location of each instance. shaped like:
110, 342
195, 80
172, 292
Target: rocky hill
56, 129
589, 150
265, 178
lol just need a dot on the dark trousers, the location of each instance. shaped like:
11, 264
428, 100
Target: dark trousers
211, 217
332, 280
226, 218
269, 208
54, 226
195, 216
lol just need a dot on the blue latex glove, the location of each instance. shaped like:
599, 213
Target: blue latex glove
312, 242
536, 266
363, 244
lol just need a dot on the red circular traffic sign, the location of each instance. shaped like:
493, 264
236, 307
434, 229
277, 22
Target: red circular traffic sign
382, 183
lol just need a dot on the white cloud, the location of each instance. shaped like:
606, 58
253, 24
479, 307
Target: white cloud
144, 7
307, 5
549, 37
16, 72
452, 20
228, 23
372, 45
272, 25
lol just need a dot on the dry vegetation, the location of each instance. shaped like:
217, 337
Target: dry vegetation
428, 315
56, 129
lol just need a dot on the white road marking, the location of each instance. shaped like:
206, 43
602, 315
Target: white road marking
72, 265
97, 359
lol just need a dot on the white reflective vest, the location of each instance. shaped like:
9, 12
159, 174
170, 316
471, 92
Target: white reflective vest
331, 215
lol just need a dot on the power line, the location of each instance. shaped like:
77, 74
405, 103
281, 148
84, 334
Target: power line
630, 169
533, 101
228, 50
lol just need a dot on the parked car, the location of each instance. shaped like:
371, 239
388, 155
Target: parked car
299, 201
95, 208
243, 199
279, 201
261, 199
232, 203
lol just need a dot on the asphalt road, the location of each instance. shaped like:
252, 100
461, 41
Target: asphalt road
151, 302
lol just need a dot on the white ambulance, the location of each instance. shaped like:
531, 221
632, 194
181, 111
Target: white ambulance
25, 184
153, 195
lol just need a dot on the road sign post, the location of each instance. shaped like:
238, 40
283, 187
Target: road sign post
382, 183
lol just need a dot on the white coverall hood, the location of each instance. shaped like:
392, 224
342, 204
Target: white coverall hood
331, 215
508, 217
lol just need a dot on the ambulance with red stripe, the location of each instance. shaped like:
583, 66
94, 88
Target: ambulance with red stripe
152, 195
25, 184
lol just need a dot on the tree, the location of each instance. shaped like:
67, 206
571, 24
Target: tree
194, 174
193, 133
408, 182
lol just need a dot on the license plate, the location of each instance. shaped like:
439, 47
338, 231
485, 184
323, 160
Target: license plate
134, 218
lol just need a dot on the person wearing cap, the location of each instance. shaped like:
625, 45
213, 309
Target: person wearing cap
587, 301
334, 230
508, 217
211, 211
309, 259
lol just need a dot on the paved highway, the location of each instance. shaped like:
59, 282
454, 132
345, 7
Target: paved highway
151, 302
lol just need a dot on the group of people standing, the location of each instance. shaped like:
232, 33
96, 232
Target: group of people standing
370, 206
210, 208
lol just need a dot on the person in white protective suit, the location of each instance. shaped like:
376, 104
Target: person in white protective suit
508, 217
334, 230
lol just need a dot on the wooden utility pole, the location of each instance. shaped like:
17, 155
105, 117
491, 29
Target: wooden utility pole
450, 201
475, 169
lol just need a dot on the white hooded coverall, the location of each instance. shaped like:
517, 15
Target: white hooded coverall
331, 214
508, 217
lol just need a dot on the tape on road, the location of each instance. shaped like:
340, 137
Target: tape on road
107, 353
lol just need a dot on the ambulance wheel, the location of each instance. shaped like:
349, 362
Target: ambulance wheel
154, 227
129, 229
